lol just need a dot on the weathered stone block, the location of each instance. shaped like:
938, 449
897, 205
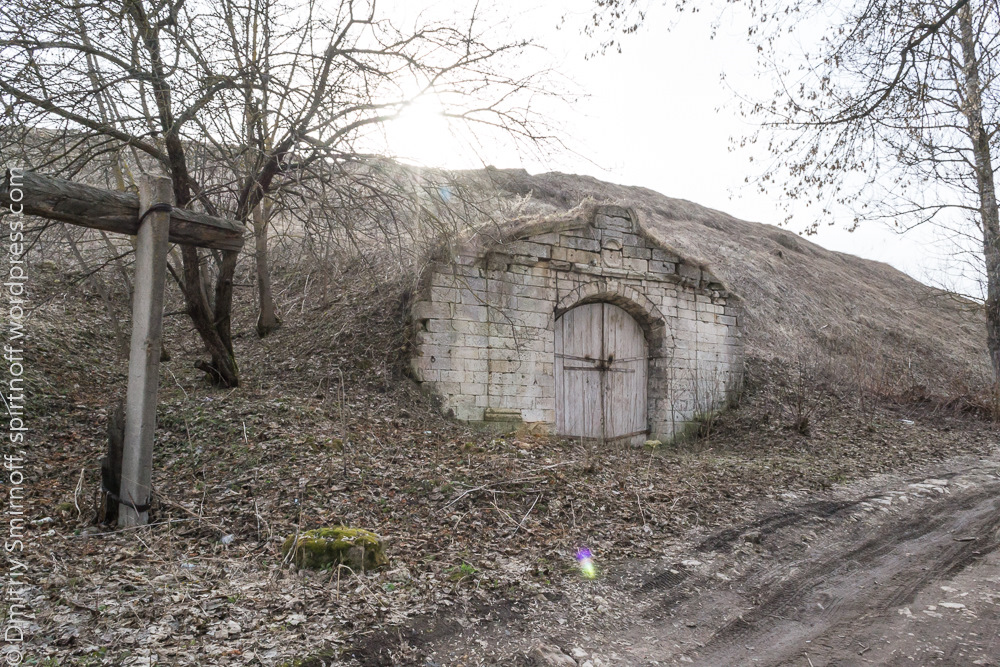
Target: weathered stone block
467, 353
444, 280
543, 279
582, 233
664, 256
614, 210
444, 294
452, 376
592, 245
689, 271
442, 338
533, 415
609, 272
438, 326
543, 293
475, 341
531, 319
684, 325
636, 265
575, 256
536, 250
528, 304
608, 222
470, 327
476, 366
473, 388
431, 309
502, 415
426, 375
470, 312
662, 267
546, 402
466, 284
639, 252
325, 548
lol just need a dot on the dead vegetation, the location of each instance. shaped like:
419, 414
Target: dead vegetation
326, 428
800, 299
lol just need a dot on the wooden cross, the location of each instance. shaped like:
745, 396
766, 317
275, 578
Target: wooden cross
155, 223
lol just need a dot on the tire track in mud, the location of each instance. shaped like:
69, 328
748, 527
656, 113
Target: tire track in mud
677, 583
774, 522
825, 596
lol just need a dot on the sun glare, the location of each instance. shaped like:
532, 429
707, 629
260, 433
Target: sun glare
422, 135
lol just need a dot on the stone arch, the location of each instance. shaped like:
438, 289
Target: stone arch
632, 301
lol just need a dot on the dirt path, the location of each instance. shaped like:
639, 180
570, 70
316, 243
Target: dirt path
852, 596
891, 571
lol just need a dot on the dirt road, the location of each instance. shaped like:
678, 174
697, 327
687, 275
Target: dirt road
891, 571
911, 576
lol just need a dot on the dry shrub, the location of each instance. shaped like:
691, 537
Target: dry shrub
365, 315
802, 395
962, 400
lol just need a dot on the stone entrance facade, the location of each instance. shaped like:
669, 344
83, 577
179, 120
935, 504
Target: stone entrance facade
490, 312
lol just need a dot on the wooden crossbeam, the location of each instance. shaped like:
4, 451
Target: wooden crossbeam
66, 201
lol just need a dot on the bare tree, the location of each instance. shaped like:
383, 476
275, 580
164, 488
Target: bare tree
889, 108
237, 100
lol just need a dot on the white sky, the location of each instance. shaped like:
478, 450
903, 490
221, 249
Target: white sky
658, 116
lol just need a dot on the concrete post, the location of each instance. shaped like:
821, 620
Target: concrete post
144, 356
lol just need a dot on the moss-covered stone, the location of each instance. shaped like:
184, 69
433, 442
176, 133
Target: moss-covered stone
321, 548
322, 659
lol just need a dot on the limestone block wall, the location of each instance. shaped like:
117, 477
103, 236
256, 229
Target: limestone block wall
485, 318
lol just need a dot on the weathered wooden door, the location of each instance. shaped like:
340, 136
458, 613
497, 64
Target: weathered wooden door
600, 374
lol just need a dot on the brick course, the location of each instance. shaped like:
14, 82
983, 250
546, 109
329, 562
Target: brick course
485, 320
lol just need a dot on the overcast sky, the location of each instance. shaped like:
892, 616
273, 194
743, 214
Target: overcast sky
658, 115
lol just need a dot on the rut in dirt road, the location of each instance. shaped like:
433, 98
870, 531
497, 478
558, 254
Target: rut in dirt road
826, 599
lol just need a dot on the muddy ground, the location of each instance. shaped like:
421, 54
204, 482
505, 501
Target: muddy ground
892, 570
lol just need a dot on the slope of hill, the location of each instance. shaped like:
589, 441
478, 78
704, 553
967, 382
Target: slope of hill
803, 302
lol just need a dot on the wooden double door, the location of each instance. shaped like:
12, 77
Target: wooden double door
601, 361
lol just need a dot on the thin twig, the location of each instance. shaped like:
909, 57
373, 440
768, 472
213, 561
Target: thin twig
526, 517
76, 493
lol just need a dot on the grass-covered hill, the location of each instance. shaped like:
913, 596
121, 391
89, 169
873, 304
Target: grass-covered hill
803, 302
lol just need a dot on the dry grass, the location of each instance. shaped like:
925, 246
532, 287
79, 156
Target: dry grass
801, 300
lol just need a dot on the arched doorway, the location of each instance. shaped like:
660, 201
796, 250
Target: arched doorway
601, 360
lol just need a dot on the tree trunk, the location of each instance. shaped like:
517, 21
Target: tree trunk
986, 185
111, 467
267, 319
212, 324
222, 369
